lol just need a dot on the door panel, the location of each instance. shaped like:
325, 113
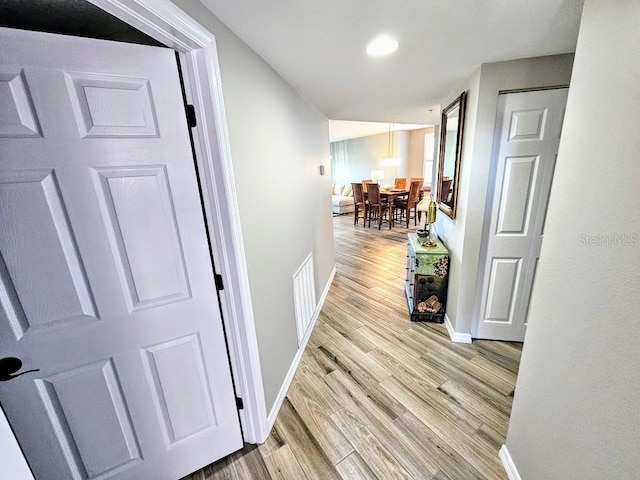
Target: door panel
529, 124
17, 117
59, 292
518, 187
503, 286
137, 207
106, 282
182, 417
64, 396
111, 106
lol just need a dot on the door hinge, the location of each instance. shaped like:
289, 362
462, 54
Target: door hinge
239, 403
218, 279
191, 116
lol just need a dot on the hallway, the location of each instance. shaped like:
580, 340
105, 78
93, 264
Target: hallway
376, 396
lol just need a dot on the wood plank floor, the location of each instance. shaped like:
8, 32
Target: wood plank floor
378, 397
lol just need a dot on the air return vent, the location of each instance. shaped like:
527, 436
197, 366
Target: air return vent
304, 297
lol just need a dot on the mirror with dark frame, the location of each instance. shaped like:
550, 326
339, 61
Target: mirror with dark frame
451, 129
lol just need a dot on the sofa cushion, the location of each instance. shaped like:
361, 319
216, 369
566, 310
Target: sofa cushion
337, 189
341, 204
348, 190
341, 201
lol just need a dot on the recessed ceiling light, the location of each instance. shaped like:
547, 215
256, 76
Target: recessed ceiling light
382, 45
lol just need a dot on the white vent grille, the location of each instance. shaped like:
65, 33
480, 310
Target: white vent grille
304, 297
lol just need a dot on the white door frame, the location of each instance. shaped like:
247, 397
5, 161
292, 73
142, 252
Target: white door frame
168, 24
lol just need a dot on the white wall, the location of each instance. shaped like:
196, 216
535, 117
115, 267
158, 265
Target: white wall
452, 232
464, 234
576, 413
13, 466
353, 160
278, 141
416, 157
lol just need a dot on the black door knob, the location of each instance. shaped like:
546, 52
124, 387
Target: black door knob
9, 366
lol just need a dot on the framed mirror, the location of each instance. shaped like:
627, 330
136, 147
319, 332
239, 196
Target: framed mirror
451, 130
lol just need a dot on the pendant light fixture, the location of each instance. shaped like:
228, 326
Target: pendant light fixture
390, 160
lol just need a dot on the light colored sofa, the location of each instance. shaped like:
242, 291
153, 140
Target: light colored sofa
341, 198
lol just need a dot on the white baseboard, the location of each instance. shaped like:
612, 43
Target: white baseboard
507, 463
273, 414
455, 336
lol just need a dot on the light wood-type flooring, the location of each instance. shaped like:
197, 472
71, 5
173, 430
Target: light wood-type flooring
377, 396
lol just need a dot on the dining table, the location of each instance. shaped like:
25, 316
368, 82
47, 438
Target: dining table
391, 194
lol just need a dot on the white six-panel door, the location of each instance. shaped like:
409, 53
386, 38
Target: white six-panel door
106, 282
530, 124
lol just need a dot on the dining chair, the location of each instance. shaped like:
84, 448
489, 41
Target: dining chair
418, 179
400, 183
446, 190
360, 203
404, 206
376, 204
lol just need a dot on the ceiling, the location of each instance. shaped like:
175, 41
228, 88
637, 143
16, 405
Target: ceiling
345, 129
318, 46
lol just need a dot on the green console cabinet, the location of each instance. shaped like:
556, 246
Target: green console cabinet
426, 282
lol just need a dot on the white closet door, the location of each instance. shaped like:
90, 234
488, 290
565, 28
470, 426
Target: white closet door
530, 125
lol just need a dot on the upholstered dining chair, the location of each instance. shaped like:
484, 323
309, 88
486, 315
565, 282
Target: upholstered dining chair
360, 203
365, 183
446, 189
417, 179
375, 204
404, 206
400, 183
